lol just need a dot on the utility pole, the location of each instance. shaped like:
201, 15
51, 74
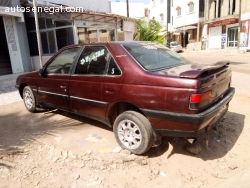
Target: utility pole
127, 8
239, 21
168, 22
38, 34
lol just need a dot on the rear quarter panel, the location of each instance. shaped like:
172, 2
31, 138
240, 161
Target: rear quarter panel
153, 91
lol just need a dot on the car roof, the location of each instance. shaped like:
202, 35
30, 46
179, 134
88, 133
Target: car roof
111, 42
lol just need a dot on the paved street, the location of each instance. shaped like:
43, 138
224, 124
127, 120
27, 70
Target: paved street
87, 152
8, 92
239, 62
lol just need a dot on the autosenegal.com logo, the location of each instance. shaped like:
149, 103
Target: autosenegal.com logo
50, 10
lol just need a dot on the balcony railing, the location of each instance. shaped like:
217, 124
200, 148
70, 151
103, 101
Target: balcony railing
6, 3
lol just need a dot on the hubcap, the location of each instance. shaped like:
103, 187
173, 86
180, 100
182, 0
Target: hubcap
129, 134
28, 99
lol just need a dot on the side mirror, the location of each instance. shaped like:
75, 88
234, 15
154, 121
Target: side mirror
41, 71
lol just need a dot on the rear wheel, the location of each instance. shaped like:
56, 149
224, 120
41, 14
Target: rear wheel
29, 99
133, 132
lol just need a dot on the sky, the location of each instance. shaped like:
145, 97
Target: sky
134, 1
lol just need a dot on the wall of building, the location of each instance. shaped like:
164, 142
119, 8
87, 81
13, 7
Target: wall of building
224, 10
94, 5
136, 10
36, 63
24, 46
186, 17
16, 36
158, 8
245, 8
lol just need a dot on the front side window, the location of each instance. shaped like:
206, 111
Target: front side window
191, 7
61, 64
152, 56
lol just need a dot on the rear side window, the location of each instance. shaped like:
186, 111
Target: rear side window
93, 60
152, 56
96, 60
113, 69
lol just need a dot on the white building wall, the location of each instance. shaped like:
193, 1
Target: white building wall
186, 18
94, 5
136, 10
158, 7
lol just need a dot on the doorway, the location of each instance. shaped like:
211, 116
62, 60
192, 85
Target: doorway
5, 64
232, 37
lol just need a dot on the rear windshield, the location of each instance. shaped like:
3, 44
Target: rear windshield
152, 56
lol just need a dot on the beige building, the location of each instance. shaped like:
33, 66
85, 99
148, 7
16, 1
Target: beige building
225, 27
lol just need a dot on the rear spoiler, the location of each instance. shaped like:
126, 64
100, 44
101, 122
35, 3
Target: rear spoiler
196, 73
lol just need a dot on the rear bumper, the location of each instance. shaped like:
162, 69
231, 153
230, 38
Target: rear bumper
189, 125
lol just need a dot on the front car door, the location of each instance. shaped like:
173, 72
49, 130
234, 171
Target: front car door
94, 83
53, 84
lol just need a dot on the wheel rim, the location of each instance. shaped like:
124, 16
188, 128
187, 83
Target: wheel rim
28, 100
129, 134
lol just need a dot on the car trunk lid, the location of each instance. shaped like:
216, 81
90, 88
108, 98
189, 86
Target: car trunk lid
214, 80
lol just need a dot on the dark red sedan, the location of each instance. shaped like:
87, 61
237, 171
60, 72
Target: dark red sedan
141, 89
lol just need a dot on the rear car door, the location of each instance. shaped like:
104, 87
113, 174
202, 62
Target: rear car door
53, 84
95, 83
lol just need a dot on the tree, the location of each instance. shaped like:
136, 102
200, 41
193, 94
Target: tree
149, 31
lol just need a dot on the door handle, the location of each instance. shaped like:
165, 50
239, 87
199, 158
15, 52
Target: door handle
109, 91
63, 86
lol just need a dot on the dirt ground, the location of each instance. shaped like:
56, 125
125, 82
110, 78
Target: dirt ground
55, 149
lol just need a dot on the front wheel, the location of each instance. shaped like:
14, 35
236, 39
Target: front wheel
29, 99
133, 132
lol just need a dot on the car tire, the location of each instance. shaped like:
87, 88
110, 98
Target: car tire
133, 132
29, 99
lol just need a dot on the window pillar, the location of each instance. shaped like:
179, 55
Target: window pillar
198, 32
98, 35
75, 33
217, 8
231, 7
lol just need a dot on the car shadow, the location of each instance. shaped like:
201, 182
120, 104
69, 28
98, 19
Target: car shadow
19, 128
83, 120
221, 140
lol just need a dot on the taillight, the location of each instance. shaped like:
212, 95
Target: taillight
197, 99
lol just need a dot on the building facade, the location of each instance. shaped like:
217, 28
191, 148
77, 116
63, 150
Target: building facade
186, 21
224, 25
93, 5
157, 10
136, 10
245, 25
19, 50
181, 18
14, 48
